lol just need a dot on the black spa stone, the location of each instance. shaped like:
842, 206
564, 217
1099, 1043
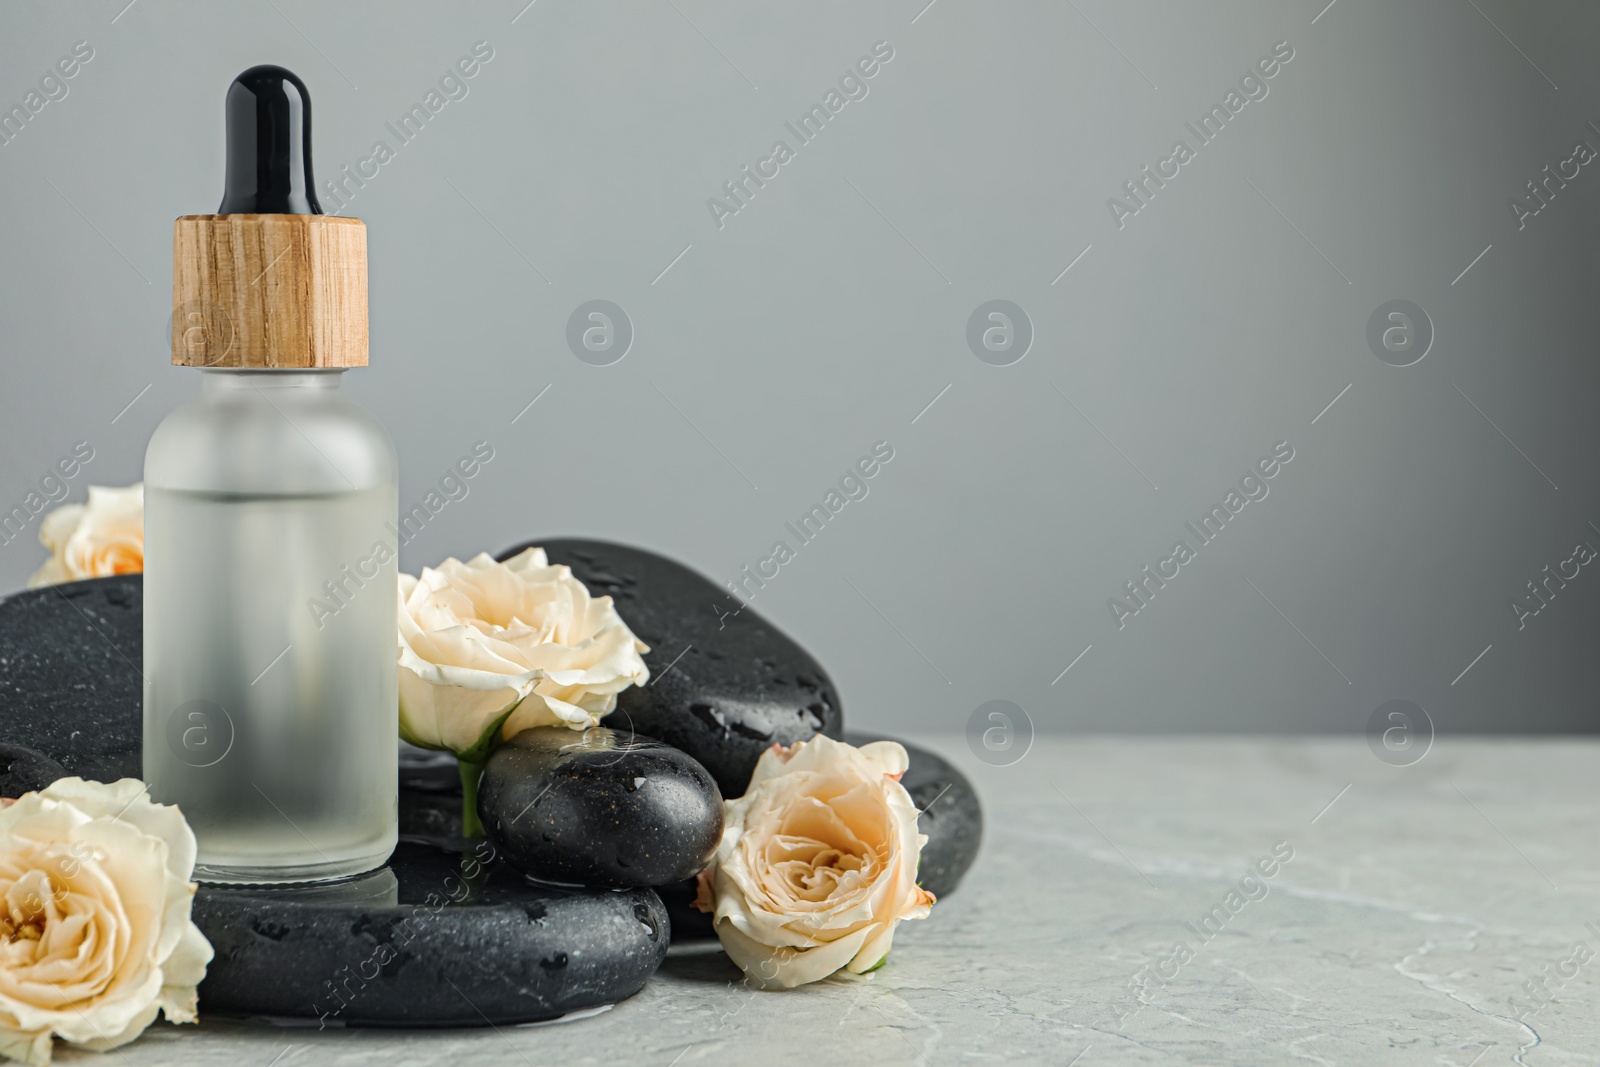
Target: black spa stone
725, 684
599, 808
22, 770
69, 674
433, 939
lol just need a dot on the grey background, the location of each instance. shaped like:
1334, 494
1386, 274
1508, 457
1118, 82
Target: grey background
826, 316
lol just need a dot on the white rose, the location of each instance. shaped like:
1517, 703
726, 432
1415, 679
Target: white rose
95, 934
817, 864
94, 540
487, 646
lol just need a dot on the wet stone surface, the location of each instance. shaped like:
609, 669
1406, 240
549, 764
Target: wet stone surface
70, 686
434, 938
724, 687
22, 770
597, 807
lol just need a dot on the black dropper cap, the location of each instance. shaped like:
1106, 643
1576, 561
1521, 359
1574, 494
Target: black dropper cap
269, 145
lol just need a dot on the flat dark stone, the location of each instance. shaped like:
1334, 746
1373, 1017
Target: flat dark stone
724, 687
432, 939
70, 685
22, 770
954, 825
599, 808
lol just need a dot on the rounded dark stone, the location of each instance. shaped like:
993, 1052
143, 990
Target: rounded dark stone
725, 684
951, 815
599, 808
70, 685
22, 770
432, 939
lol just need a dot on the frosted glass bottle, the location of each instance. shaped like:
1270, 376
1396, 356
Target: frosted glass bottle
270, 584
270, 627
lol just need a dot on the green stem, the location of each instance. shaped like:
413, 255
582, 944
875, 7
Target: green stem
471, 826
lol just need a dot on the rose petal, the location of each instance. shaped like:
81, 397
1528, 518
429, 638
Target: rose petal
817, 862
785, 969
94, 887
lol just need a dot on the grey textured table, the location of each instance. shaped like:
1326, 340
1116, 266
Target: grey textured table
1418, 904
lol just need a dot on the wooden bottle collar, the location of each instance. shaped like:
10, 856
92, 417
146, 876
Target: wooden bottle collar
269, 291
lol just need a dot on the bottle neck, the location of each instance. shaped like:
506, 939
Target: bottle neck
232, 380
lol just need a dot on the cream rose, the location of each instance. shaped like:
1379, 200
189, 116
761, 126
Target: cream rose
817, 864
94, 540
489, 647
95, 934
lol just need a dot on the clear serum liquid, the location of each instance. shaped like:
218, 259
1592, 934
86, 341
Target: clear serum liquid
274, 699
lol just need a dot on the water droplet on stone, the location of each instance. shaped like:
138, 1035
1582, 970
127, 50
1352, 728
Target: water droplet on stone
642, 913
